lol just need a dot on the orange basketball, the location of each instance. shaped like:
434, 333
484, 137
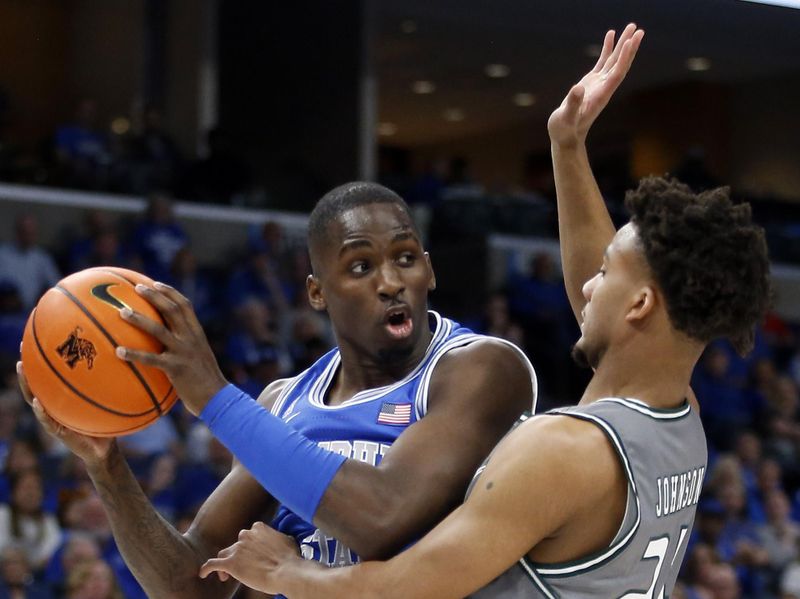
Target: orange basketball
69, 360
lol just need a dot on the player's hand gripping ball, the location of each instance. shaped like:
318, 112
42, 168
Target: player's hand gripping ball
69, 360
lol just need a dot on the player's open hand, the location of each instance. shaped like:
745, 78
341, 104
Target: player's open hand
570, 122
89, 449
187, 358
261, 559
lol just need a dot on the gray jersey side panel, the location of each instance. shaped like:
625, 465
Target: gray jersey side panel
664, 454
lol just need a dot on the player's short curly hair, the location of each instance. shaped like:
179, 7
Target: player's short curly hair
708, 257
346, 197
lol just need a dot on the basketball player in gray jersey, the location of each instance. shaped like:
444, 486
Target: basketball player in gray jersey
598, 500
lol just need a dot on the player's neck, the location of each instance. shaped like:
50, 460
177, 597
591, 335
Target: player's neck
359, 372
655, 373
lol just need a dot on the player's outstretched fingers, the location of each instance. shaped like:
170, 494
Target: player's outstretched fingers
184, 303
140, 321
627, 33
169, 310
608, 47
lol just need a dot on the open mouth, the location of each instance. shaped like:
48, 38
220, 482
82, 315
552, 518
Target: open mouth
399, 323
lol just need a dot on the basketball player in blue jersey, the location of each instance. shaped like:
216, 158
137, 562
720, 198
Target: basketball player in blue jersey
365, 451
598, 500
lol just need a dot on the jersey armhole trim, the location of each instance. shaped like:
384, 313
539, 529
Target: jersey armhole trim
278, 406
421, 399
541, 585
599, 558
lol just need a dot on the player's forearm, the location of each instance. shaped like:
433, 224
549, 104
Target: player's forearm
300, 579
382, 525
161, 559
584, 225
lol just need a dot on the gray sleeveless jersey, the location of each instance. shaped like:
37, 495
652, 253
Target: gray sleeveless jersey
663, 453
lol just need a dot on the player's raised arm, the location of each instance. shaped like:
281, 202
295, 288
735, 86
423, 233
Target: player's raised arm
584, 226
163, 561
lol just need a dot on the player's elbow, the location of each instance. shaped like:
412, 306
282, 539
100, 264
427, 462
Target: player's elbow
381, 534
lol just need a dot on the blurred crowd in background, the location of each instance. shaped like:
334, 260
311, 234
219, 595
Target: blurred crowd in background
55, 539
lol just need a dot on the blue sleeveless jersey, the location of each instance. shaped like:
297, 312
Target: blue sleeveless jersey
363, 427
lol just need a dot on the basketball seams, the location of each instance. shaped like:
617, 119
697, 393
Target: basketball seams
113, 342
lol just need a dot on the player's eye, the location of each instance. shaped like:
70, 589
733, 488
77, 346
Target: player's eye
406, 259
359, 267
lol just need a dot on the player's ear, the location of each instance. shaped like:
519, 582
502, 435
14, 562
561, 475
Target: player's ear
642, 304
315, 295
431, 274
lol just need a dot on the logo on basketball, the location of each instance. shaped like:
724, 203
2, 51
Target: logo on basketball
75, 349
102, 293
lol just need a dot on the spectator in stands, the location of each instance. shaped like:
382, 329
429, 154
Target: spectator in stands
725, 408
160, 486
782, 427
748, 452
154, 155
769, 479
195, 284
698, 571
75, 548
144, 446
12, 320
256, 332
92, 580
16, 577
259, 278
24, 521
159, 237
724, 583
99, 245
779, 536
538, 301
497, 320
738, 541
25, 264
88, 515
208, 462
82, 150
21, 456
310, 337
9, 417
263, 369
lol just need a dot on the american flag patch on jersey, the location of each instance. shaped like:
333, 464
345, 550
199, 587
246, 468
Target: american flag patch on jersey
394, 413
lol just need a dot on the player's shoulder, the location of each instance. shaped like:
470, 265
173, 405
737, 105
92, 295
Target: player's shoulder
486, 365
487, 354
271, 392
484, 359
573, 448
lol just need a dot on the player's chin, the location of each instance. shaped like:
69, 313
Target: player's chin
581, 354
397, 351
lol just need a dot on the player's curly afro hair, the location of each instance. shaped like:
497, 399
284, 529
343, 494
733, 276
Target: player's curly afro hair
707, 256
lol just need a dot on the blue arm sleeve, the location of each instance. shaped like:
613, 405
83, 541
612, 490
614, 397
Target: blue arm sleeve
293, 469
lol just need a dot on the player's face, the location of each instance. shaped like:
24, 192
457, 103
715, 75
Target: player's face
608, 297
373, 280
